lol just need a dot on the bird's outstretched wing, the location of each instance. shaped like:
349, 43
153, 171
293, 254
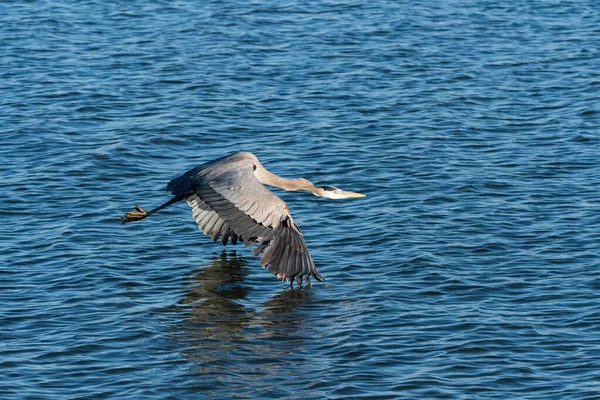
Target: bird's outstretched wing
209, 221
228, 202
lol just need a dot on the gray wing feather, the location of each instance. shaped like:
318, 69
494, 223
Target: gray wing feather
203, 214
229, 202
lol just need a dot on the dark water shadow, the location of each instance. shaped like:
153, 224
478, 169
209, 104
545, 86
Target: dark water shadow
214, 290
221, 323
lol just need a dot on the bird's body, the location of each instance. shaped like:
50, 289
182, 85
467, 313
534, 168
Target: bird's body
229, 203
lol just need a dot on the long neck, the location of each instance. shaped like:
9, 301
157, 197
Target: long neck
267, 178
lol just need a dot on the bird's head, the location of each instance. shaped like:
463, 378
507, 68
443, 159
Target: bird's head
331, 192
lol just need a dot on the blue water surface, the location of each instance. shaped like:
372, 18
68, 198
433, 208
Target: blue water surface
470, 271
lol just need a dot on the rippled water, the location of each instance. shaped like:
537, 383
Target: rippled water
471, 269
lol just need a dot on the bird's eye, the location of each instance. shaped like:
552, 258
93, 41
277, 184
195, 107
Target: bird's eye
253, 167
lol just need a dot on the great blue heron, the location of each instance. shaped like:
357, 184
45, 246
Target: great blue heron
229, 202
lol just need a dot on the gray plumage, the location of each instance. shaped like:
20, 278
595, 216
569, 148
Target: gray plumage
230, 203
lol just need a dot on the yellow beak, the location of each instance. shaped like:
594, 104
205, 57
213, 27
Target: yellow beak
352, 194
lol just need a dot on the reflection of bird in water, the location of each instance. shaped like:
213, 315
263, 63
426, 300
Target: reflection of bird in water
218, 325
229, 202
215, 288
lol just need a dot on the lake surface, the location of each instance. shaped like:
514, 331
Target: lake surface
470, 271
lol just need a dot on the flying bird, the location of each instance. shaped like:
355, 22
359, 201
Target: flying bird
230, 203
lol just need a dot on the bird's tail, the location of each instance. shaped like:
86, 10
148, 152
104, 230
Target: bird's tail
182, 185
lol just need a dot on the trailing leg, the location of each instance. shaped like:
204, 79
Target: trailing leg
140, 214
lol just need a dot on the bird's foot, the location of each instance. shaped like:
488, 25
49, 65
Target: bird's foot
134, 215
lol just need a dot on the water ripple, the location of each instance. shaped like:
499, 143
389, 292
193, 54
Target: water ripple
469, 271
